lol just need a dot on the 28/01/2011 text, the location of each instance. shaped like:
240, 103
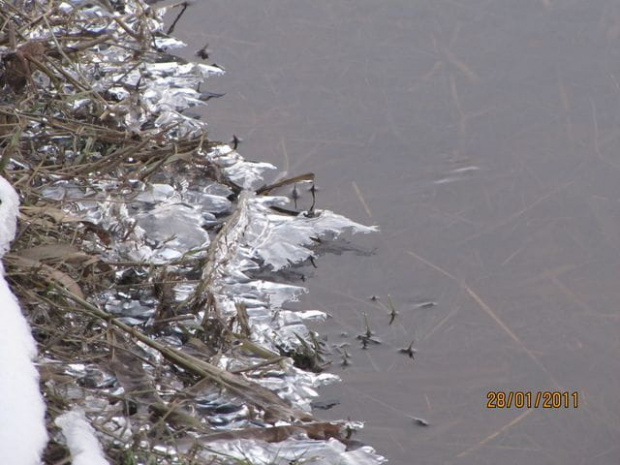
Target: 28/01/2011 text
529, 399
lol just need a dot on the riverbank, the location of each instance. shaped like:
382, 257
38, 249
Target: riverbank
150, 260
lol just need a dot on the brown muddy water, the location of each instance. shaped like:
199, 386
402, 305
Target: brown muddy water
484, 138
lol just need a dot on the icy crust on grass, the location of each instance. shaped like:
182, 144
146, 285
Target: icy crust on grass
280, 241
166, 88
158, 223
241, 172
164, 222
22, 410
257, 237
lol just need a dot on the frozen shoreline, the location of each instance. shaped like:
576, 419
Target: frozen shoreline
175, 226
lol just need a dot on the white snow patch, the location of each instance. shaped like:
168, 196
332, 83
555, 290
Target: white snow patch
9, 209
22, 411
80, 435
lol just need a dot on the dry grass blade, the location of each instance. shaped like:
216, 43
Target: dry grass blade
317, 431
63, 253
50, 275
493, 435
56, 214
308, 177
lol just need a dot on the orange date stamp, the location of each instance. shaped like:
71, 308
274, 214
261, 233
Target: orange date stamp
530, 399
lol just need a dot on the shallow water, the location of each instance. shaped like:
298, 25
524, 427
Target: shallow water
483, 138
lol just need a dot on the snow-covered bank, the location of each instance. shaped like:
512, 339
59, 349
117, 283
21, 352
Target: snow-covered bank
22, 411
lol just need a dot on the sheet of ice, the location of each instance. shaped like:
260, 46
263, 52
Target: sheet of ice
281, 240
22, 411
81, 440
256, 236
245, 173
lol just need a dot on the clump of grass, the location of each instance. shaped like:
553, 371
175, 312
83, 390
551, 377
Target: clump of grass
55, 127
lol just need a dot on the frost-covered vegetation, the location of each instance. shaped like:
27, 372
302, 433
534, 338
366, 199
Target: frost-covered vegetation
152, 264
